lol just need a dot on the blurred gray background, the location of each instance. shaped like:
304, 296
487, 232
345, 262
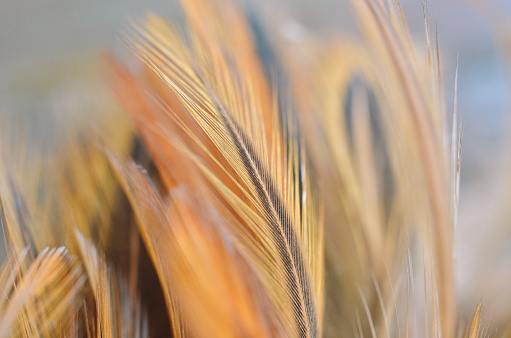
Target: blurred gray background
49, 50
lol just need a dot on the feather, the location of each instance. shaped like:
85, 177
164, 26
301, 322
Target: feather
474, 326
375, 121
42, 295
256, 173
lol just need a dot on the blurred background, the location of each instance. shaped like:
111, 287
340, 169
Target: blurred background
49, 51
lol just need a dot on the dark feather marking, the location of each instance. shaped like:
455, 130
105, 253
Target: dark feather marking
282, 230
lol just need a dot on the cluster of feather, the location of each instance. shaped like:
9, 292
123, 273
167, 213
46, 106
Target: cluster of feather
254, 191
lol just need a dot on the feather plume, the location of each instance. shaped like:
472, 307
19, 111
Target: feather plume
254, 173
